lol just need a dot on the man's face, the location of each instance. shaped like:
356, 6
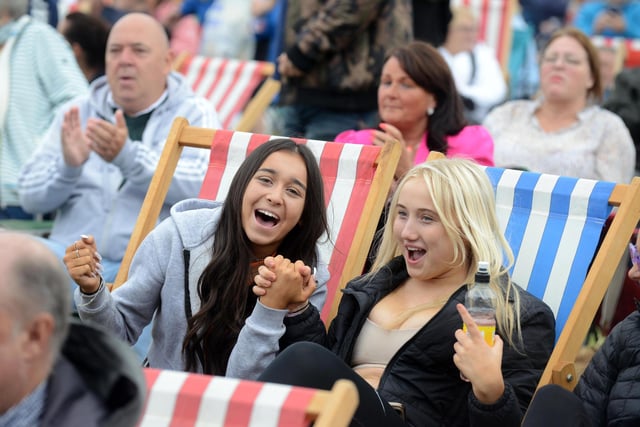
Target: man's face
137, 62
13, 361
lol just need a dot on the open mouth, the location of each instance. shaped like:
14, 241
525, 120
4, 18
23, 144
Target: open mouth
266, 218
415, 254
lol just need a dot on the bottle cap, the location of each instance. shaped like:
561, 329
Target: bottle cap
482, 274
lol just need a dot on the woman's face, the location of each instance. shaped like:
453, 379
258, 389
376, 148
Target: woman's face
564, 72
401, 102
273, 201
421, 236
462, 34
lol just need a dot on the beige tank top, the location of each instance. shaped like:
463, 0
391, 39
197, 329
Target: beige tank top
375, 346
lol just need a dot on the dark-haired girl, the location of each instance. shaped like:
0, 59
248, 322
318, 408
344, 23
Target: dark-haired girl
193, 274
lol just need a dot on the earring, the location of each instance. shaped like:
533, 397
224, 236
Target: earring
430, 111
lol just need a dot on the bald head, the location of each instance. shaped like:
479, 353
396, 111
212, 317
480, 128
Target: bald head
15, 247
148, 27
138, 62
32, 280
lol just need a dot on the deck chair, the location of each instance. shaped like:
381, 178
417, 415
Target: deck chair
230, 85
187, 399
494, 19
357, 180
554, 225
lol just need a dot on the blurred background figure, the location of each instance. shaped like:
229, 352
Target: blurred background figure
430, 20
45, 11
624, 100
609, 18
99, 9
38, 74
611, 63
564, 131
87, 36
331, 64
544, 17
475, 67
183, 31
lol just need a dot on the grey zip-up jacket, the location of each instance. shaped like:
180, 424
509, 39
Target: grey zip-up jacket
156, 287
101, 198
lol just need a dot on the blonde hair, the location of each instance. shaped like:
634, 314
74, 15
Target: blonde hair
464, 200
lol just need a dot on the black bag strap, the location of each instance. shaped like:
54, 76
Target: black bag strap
472, 57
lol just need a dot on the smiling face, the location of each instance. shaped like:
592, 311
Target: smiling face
401, 101
273, 201
565, 74
420, 235
137, 62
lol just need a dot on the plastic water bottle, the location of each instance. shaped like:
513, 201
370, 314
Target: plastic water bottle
480, 302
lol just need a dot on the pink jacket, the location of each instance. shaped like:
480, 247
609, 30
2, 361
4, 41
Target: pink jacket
473, 142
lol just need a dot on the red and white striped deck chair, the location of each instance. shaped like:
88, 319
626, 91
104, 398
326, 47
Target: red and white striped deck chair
630, 48
186, 399
230, 85
356, 177
494, 24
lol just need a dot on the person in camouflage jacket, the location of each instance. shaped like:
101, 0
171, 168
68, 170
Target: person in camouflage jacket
333, 55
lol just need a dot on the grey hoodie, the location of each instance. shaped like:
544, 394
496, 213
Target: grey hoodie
102, 198
155, 290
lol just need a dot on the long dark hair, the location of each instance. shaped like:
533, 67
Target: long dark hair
224, 286
424, 64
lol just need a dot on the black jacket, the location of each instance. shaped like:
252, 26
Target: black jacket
422, 374
97, 381
610, 386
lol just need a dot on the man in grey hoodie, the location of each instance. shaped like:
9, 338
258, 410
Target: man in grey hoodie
99, 155
54, 372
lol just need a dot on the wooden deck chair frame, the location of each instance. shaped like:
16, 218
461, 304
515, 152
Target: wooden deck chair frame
183, 135
560, 368
197, 399
257, 104
494, 14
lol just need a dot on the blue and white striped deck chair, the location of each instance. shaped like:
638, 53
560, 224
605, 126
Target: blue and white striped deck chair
553, 224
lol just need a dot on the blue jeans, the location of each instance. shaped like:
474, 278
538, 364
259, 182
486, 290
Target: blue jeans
14, 212
109, 273
323, 123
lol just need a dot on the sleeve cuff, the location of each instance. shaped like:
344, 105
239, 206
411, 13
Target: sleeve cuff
299, 59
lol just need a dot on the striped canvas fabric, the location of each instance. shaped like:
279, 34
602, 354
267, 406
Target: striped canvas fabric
494, 24
347, 170
632, 48
227, 83
553, 224
193, 400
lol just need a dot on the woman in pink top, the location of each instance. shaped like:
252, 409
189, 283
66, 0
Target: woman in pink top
420, 106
